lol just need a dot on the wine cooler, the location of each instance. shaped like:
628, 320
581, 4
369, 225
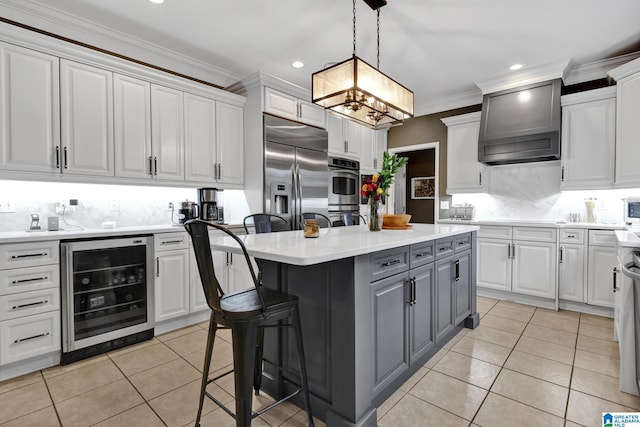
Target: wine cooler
107, 295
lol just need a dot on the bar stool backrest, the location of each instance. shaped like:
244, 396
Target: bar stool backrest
265, 223
199, 232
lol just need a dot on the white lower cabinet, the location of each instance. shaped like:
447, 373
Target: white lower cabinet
601, 262
517, 265
29, 306
571, 272
172, 275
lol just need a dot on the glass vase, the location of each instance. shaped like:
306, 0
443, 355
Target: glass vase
375, 214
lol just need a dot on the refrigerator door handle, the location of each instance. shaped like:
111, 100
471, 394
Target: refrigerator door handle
294, 197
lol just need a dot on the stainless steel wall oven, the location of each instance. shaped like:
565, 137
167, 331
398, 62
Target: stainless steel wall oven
344, 185
107, 295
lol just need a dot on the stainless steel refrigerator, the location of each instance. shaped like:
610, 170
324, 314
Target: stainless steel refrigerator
296, 178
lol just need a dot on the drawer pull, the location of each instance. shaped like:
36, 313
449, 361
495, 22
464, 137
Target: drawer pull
34, 279
421, 254
28, 255
390, 263
31, 304
464, 242
167, 242
19, 340
446, 248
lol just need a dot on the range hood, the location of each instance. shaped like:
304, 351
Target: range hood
521, 124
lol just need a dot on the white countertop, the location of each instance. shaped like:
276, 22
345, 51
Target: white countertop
628, 238
292, 247
535, 223
99, 233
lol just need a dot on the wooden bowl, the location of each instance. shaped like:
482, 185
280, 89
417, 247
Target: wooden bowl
397, 220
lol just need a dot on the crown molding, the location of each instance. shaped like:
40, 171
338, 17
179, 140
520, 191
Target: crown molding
260, 78
530, 75
631, 67
46, 18
588, 96
598, 69
459, 100
461, 119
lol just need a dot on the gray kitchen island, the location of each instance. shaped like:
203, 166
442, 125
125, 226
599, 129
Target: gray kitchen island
375, 306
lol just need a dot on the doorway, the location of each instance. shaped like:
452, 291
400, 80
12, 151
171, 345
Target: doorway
415, 190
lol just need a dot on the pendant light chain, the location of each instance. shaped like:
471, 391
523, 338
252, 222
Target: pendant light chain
378, 45
354, 27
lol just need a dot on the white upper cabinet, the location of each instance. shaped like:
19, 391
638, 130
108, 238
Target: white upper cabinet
200, 138
464, 173
346, 137
588, 139
230, 143
86, 100
132, 124
29, 109
167, 132
293, 108
628, 132
372, 148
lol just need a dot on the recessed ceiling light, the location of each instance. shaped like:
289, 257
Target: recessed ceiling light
515, 67
157, 1
297, 64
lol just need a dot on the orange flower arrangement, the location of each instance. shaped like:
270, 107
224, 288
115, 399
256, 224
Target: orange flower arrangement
371, 188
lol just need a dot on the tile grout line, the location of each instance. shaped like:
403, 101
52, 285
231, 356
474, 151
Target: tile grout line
53, 404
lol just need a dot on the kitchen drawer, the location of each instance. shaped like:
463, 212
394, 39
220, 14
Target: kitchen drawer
29, 303
444, 247
535, 234
421, 254
29, 336
602, 238
170, 241
495, 231
17, 255
462, 242
29, 279
572, 235
389, 262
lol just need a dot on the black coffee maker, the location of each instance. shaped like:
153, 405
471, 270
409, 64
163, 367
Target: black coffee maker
210, 201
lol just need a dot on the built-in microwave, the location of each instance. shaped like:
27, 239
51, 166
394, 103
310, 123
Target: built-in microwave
344, 185
632, 211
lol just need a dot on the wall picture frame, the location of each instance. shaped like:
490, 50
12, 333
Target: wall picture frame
423, 187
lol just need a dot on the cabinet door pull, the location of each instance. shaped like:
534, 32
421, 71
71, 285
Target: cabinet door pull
219, 170
34, 279
480, 178
346, 147
57, 157
509, 251
28, 255
19, 340
414, 297
615, 277
375, 163
166, 242
150, 165
513, 251
157, 266
390, 263
561, 255
155, 165
562, 173
31, 304
457, 263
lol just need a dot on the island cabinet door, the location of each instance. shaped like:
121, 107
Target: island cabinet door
461, 286
444, 298
421, 334
389, 310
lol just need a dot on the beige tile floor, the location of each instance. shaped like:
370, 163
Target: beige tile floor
522, 366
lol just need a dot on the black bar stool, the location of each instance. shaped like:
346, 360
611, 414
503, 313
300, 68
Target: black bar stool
245, 313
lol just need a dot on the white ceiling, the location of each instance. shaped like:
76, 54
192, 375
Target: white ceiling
437, 48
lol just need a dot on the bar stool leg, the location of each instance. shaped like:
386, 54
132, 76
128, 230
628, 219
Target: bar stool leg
211, 336
257, 372
244, 352
297, 330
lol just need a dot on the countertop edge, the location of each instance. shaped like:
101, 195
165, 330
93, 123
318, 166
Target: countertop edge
534, 223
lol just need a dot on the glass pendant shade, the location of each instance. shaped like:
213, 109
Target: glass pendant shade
358, 91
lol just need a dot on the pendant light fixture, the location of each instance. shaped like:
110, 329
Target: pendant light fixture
359, 91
